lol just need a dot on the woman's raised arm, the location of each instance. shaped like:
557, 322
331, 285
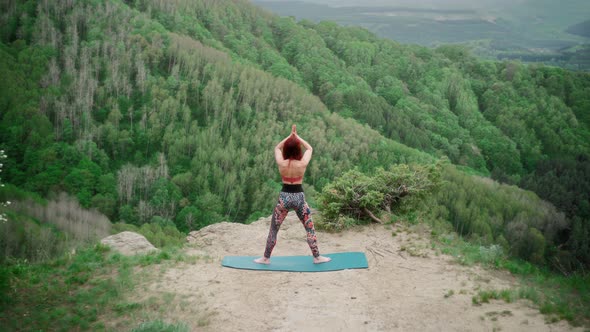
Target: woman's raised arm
308, 150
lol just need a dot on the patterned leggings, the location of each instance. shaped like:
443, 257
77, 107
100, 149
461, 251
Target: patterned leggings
288, 201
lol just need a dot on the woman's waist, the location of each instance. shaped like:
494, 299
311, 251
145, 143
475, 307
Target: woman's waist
292, 188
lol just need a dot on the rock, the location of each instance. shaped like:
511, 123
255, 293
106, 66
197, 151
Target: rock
129, 243
208, 233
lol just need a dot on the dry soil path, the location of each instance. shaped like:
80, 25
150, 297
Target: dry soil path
407, 287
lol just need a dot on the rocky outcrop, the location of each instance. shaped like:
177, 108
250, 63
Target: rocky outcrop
129, 243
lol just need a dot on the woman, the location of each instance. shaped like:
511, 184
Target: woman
292, 164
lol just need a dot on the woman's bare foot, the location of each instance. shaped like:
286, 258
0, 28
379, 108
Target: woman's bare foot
262, 260
321, 259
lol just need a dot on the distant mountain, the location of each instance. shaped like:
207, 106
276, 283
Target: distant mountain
582, 29
428, 4
527, 30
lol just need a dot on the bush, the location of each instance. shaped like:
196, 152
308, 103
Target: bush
67, 215
357, 198
492, 253
36, 230
22, 238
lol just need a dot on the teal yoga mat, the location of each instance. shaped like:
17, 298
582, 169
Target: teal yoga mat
340, 261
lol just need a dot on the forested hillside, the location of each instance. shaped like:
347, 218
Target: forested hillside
168, 110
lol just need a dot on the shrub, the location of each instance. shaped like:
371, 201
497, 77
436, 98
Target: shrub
65, 213
360, 197
492, 253
36, 230
22, 238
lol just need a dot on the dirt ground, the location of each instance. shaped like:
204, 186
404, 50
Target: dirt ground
407, 287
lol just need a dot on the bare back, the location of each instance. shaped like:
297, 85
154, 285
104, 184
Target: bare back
292, 171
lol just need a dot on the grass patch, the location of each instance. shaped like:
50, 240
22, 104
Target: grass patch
160, 326
449, 294
75, 292
507, 295
415, 250
557, 296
